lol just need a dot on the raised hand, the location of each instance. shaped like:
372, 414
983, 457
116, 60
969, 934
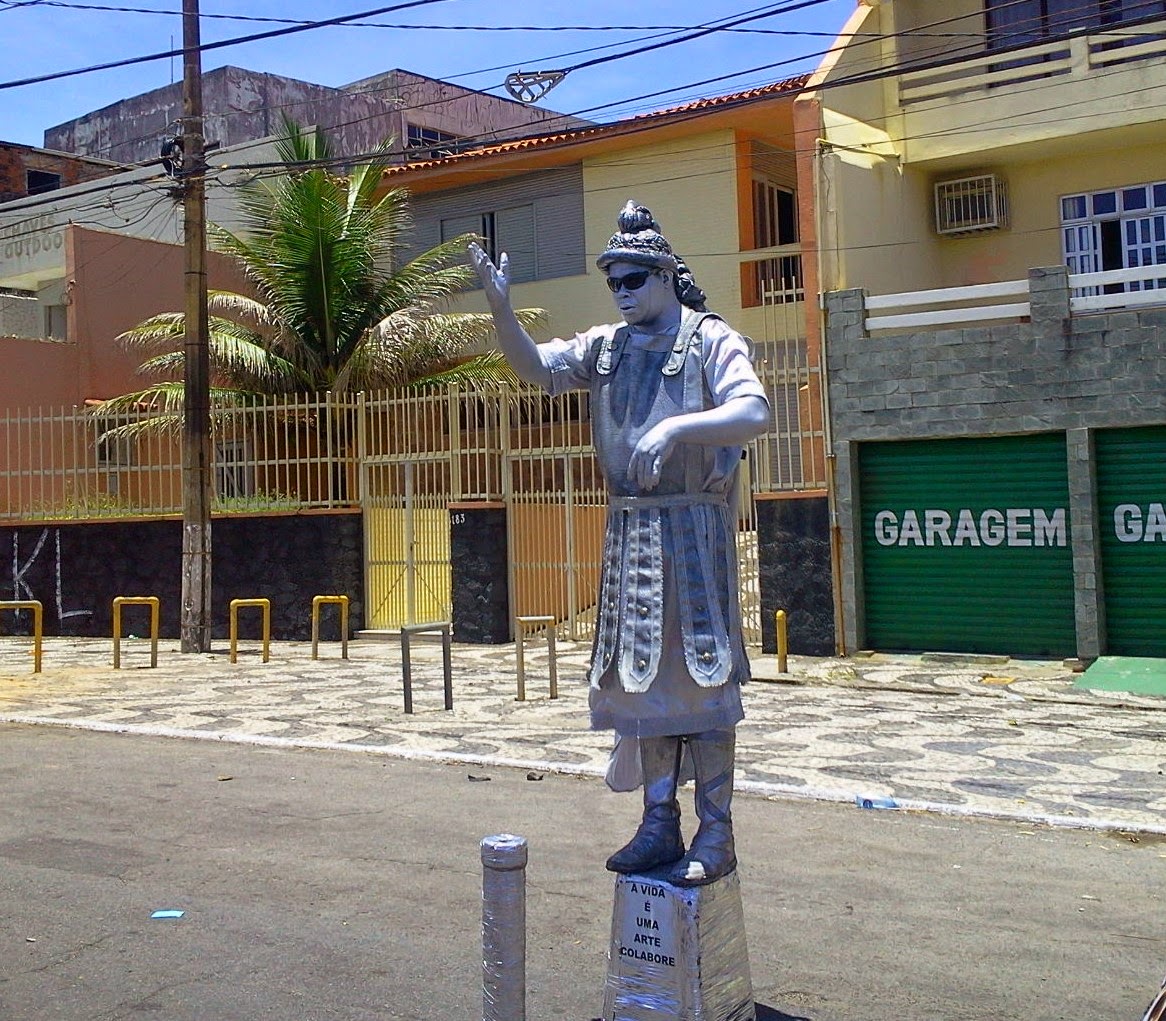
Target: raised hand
495, 279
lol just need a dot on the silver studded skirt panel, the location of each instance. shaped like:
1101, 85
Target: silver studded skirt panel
667, 659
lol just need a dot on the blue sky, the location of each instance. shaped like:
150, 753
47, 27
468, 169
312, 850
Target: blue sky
39, 37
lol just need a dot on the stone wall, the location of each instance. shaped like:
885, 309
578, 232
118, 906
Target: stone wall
793, 536
478, 553
77, 569
1055, 372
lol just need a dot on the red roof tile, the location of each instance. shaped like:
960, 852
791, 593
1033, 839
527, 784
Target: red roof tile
789, 85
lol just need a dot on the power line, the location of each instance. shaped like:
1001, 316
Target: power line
700, 30
343, 19
858, 77
432, 27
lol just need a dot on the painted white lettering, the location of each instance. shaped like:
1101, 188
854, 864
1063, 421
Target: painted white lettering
1048, 531
965, 529
1155, 524
62, 613
1019, 526
910, 533
935, 526
20, 589
886, 527
1127, 522
992, 529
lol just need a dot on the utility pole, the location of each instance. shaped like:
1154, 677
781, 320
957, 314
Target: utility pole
196, 427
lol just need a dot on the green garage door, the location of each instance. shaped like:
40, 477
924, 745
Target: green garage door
966, 545
1131, 493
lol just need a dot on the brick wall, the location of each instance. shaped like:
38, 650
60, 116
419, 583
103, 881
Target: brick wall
17, 160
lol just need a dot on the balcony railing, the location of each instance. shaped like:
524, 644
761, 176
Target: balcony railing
1089, 292
772, 276
1074, 55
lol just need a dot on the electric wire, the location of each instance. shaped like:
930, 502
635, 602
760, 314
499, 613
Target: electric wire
836, 83
216, 45
1088, 5
620, 103
716, 25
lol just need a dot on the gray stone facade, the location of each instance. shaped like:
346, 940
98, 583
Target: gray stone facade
1056, 372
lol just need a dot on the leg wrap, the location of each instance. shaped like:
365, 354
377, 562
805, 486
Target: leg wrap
712, 854
657, 841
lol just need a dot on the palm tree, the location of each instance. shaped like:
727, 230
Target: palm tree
334, 307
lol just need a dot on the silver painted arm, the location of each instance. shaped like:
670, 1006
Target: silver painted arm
732, 424
517, 345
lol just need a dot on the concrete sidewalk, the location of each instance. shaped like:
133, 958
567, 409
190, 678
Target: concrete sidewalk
972, 736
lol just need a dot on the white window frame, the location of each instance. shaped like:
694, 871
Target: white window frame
1132, 207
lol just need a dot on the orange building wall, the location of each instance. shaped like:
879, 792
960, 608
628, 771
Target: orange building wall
114, 282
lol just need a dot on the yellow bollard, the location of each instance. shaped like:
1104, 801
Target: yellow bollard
154, 603
782, 642
38, 615
317, 602
265, 605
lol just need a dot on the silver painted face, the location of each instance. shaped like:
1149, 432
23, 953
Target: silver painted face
651, 305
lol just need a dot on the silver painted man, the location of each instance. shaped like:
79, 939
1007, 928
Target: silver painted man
673, 399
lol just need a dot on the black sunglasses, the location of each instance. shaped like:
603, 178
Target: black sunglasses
629, 281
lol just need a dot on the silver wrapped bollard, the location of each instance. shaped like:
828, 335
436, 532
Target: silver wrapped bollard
504, 928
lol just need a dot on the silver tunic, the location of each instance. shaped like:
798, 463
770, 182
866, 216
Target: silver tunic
668, 637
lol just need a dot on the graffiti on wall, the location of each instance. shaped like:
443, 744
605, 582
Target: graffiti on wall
27, 565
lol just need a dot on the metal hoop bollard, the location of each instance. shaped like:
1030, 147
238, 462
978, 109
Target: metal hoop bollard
154, 603
407, 631
38, 620
520, 625
504, 928
317, 602
265, 605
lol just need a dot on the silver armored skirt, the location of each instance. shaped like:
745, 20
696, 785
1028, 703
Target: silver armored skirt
668, 652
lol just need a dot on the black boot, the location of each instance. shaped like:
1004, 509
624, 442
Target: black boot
712, 854
657, 841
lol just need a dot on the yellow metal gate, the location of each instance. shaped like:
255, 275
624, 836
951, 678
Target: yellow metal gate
406, 541
533, 452
557, 505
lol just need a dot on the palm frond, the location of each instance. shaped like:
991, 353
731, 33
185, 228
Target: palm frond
333, 304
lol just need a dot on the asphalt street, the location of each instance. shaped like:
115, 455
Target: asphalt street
340, 884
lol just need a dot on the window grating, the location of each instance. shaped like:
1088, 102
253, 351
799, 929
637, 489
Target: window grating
970, 204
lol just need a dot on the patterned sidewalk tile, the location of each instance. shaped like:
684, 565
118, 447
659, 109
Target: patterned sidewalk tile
1026, 745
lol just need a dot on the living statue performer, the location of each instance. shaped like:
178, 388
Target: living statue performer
673, 399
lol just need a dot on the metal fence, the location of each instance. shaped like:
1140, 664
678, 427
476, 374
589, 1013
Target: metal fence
403, 457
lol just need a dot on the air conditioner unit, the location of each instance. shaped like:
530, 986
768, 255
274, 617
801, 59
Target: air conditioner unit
970, 204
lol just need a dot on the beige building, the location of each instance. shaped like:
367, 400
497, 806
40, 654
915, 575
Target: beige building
966, 142
990, 239
53, 314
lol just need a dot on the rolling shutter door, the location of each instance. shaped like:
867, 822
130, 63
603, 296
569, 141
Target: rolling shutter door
965, 545
1131, 493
